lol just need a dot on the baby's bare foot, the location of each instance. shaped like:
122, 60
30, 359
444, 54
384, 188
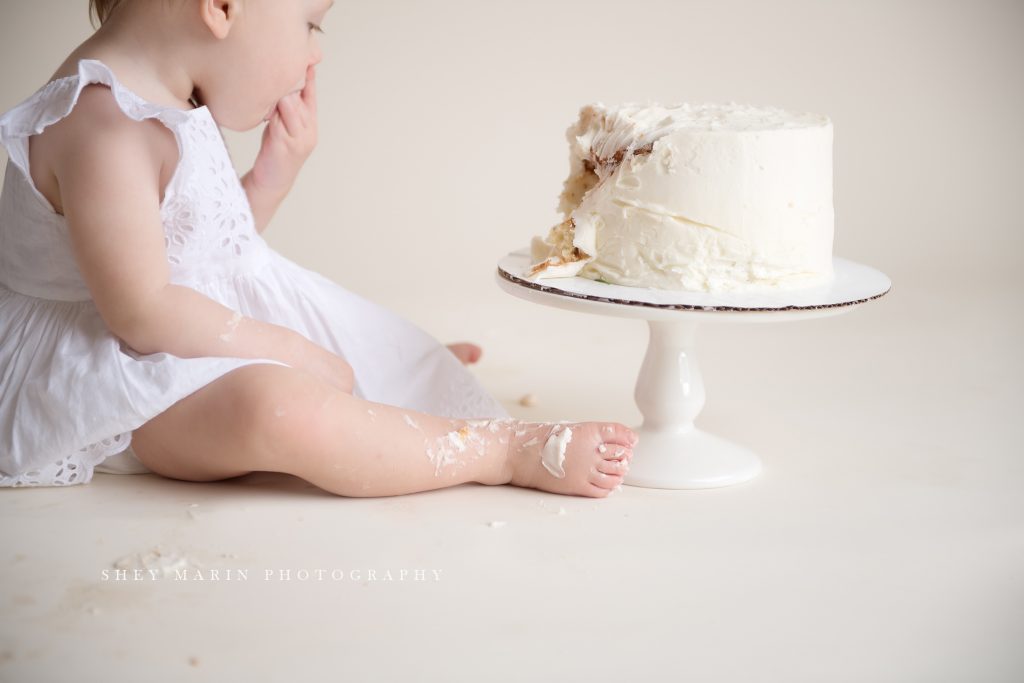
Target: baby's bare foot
572, 458
466, 352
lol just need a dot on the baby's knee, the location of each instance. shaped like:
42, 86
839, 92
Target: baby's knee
287, 410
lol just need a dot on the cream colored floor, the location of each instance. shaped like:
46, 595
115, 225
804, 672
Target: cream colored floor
883, 542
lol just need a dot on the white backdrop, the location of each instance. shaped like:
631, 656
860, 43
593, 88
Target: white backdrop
883, 540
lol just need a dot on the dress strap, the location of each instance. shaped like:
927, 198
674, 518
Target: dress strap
56, 99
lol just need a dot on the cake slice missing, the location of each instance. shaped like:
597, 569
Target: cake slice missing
694, 197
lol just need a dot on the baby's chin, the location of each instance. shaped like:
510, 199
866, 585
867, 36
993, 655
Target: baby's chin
238, 125
253, 121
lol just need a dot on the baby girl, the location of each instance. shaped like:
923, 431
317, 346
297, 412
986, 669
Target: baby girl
142, 313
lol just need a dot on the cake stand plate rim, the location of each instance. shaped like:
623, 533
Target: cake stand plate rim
870, 284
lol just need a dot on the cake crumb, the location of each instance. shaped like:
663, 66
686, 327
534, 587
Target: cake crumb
193, 661
157, 560
528, 400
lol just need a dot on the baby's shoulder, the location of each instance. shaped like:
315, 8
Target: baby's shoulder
96, 114
97, 131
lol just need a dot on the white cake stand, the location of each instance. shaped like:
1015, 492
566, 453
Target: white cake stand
672, 452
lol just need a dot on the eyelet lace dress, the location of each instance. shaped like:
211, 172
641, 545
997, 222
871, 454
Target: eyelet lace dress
71, 392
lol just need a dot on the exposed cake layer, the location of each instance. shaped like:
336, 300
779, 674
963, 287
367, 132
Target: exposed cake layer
695, 197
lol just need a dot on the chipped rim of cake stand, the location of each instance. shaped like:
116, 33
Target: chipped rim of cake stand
852, 284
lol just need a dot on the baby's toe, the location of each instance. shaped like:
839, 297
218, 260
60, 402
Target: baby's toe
604, 480
613, 451
614, 432
595, 491
617, 467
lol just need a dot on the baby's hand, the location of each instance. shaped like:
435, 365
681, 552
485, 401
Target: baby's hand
288, 140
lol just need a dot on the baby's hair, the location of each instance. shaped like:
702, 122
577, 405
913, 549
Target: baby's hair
99, 10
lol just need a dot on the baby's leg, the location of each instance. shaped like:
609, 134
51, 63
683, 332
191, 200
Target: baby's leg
354, 447
359, 448
273, 418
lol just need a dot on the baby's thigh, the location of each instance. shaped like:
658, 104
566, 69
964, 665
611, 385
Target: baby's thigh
229, 427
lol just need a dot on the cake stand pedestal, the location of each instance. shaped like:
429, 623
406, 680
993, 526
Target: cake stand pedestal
672, 452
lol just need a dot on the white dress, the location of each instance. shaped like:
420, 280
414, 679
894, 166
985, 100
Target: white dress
71, 392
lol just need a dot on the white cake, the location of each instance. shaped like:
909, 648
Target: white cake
694, 197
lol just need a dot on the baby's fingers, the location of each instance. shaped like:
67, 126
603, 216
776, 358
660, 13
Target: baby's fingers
291, 115
275, 127
309, 92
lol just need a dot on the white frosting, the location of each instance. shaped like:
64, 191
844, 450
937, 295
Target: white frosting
448, 448
553, 453
232, 325
694, 197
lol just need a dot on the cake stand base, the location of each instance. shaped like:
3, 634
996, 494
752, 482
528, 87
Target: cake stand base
672, 452
690, 459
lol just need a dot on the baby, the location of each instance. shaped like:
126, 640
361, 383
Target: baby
133, 277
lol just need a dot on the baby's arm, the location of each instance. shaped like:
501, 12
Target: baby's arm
288, 139
108, 171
